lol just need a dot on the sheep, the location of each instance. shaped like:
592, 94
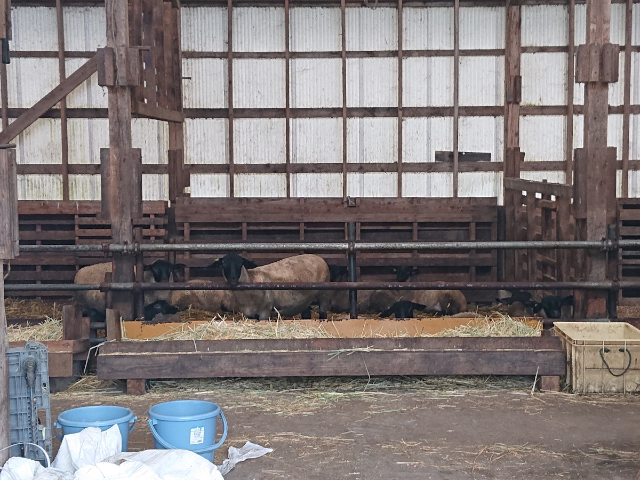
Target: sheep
260, 303
210, 300
337, 301
447, 302
551, 306
402, 309
158, 271
159, 307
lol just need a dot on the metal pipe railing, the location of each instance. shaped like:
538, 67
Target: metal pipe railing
335, 246
115, 286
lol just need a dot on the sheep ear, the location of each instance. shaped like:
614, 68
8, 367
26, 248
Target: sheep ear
567, 300
419, 306
394, 270
415, 271
147, 268
216, 263
537, 308
248, 264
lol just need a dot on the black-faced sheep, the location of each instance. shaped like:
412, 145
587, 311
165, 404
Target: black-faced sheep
402, 309
158, 271
261, 303
159, 307
551, 306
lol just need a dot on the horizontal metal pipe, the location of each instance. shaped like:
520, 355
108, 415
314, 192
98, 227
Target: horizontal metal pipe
333, 246
589, 285
98, 325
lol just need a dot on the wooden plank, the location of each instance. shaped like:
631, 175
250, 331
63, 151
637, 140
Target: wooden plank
9, 228
63, 103
5, 424
148, 72
456, 93
295, 358
49, 100
532, 254
626, 116
157, 113
113, 324
343, 56
555, 189
287, 94
400, 29
74, 327
441, 156
136, 386
230, 109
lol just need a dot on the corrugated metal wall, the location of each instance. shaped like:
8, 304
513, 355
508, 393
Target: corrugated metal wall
427, 81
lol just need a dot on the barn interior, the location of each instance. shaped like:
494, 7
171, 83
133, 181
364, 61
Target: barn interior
488, 146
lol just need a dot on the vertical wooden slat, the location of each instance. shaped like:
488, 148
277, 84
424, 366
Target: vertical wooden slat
626, 115
167, 73
400, 73
568, 171
472, 253
178, 176
456, 91
135, 22
5, 424
4, 97
158, 54
230, 94
287, 113
532, 254
343, 29
63, 103
148, 39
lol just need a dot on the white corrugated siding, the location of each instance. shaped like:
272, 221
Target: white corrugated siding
316, 185
372, 82
40, 143
372, 140
315, 29
22, 89
259, 83
481, 81
155, 187
85, 28
369, 29
551, 177
259, 140
258, 29
439, 184
316, 83
206, 141
635, 30
543, 137
39, 187
617, 23
422, 137
482, 27
89, 94
86, 138
152, 136
84, 187
545, 25
482, 134
316, 140
635, 77
544, 78
206, 84
372, 184
209, 185
480, 184
427, 82
427, 28
34, 28
260, 185
204, 29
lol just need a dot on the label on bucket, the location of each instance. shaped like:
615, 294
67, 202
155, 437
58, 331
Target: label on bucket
197, 436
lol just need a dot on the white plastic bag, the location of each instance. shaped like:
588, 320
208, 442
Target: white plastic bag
87, 447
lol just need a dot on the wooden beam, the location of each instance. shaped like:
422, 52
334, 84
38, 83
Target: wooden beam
5, 424
113, 324
538, 187
400, 89
121, 157
595, 177
49, 100
9, 228
626, 116
63, 103
157, 113
568, 171
343, 37
456, 92
322, 357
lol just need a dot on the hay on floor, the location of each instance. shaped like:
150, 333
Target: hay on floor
32, 308
49, 330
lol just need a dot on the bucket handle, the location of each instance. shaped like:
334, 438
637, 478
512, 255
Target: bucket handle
133, 423
604, 350
55, 426
165, 444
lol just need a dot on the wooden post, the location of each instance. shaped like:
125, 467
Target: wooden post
122, 200
595, 165
512, 155
8, 251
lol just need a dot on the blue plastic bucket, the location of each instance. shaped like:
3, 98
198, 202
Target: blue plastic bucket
187, 425
101, 416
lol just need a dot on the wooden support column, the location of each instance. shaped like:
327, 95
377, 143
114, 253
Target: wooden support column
626, 116
230, 96
178, 178
8, 251
400, 73
287, 101
456, 92
512, 155
595, 164
121, 199
63, 103
568, 166
343, 29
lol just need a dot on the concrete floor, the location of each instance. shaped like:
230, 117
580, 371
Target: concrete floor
405, 428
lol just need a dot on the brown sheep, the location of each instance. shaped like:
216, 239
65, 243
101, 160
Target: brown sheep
260, 303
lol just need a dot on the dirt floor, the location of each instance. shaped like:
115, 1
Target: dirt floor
402, 428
